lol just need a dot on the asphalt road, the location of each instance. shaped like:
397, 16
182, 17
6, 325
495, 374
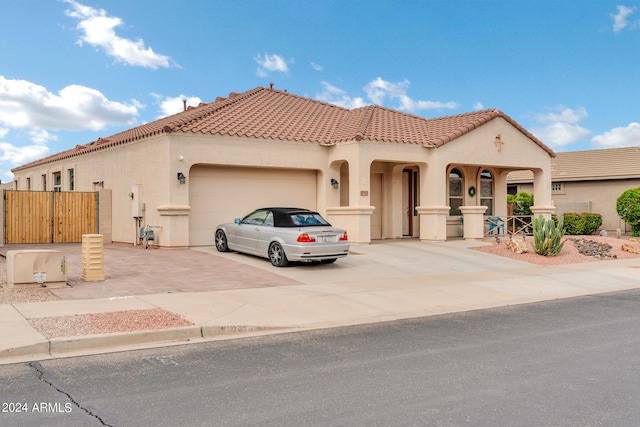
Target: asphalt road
572, 362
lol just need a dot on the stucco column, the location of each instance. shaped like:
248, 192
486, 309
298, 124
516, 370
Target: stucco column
473, 221
355, 218
433, 223
542, 193
176, 233
500, 196
433, 209
545, 211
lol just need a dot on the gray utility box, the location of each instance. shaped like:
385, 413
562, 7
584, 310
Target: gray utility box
46, 268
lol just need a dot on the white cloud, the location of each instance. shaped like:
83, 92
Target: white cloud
620, 21
41, 136
378, 90
21, 155
335, 95
628, 136
317, 67
98, 30
478, 106
565, 115
30, 106
562, 128
173, 105
270, 63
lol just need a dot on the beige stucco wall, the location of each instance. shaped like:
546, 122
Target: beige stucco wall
143, 163
599, 196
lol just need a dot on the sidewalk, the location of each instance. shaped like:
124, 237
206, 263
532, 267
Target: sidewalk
231, 295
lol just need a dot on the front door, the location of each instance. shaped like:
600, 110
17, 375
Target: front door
376, 180
407, 202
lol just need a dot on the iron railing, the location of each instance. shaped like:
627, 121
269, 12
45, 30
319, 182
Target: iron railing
509, 225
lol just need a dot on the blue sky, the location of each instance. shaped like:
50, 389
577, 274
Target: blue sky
73, 71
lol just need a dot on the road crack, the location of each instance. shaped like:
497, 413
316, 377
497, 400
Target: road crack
40, 370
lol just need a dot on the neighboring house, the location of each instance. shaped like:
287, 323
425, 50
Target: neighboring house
589, 181
376, 172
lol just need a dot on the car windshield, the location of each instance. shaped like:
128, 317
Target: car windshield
307, 219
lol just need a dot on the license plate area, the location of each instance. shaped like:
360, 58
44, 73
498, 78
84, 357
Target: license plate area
326, 238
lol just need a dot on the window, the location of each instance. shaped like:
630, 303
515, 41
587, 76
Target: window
255, 218
303, 219
28, 184
57, 181
456, 192
44, 182
557, 188
71, 180
268, 221
486, 191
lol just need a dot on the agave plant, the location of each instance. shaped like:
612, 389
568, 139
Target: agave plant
547, 236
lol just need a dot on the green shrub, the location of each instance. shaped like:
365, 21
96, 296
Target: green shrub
592, 221
522, 203
573, 224
628, 207
585, 223
547, 237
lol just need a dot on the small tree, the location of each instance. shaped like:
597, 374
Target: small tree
522, 203
628, 207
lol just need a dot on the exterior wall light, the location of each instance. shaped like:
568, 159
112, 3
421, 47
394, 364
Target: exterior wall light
182, 178
334, 183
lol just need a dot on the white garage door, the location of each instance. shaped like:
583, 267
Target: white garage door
219, 194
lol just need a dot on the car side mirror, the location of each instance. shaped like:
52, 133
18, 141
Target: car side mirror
237, 220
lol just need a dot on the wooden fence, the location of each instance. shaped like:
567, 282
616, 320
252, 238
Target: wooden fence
49, 217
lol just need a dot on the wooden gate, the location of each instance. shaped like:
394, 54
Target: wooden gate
49, 217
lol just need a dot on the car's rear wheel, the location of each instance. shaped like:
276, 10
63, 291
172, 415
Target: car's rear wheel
221, 241
277, 255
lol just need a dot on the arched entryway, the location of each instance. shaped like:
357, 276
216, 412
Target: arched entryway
395, 195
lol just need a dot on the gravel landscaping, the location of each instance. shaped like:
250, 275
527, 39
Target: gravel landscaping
576, 249
104, 323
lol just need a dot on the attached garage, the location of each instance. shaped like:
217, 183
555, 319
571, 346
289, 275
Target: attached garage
219, 194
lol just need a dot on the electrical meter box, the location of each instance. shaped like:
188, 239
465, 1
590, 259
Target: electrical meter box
45, 268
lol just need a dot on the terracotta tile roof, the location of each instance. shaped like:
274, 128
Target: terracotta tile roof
589, 165
269, 113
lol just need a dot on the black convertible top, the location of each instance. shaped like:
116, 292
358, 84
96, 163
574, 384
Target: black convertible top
286, 217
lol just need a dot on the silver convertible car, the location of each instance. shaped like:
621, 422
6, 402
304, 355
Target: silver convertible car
283, 235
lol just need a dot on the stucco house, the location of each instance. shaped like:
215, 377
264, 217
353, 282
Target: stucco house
377, 172
588, 181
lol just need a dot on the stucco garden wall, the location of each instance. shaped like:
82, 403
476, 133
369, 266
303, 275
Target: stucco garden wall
601, 197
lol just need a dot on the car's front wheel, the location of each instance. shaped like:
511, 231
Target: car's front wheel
221, 241
277, 255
